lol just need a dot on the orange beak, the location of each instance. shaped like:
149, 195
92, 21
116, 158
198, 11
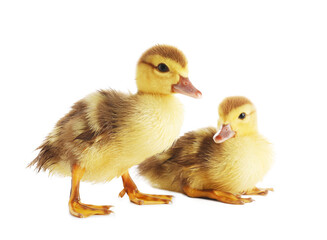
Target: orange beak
223, 134
184, 86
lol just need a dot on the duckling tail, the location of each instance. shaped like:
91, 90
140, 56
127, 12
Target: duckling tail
45, 158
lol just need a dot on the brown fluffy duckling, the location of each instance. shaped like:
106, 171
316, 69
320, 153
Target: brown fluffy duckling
218, 165
108, 132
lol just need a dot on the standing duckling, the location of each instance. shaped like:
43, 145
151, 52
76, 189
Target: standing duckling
218, 165
108, 132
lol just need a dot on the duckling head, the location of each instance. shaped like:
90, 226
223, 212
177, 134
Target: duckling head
162, 69
237, 117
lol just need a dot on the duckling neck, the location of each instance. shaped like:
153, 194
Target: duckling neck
166, 103
249, 134
141, 93
158, 118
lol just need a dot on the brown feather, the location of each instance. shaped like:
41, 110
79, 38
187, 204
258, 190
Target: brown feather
65, 141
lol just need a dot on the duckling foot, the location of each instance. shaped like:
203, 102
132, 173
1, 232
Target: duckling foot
135, 196
78, 209
221, 196
81, 210
258, 191
145, 199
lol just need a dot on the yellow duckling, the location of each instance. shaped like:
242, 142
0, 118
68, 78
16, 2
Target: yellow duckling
218, 165
108, 132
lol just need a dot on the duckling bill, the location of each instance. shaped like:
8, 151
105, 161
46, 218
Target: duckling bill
219, 164
108, 132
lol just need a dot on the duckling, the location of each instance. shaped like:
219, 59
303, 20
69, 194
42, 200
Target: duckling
213, 164
108, 131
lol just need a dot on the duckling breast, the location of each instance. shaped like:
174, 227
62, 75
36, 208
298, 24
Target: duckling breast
156, 125
241, 163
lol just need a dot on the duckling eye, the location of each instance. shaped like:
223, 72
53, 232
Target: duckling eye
163, 67
242, 116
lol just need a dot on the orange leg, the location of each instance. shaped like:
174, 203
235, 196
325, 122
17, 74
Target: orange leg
258, 191
216, 195
139, 198
78, 209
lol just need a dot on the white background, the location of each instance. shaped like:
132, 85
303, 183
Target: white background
52, 53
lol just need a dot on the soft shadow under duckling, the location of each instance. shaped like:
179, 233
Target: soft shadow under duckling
217, 165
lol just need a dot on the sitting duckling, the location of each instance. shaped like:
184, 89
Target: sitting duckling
108, 132
218, 165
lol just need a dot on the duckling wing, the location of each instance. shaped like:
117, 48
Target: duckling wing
92, 119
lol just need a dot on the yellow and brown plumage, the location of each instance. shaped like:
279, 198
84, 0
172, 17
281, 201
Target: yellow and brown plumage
108, 132
219, 165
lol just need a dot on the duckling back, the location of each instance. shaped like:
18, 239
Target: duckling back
184, 163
